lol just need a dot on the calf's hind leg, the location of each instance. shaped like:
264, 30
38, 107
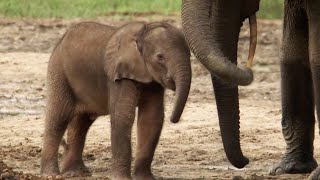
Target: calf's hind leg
59, 111
72, 163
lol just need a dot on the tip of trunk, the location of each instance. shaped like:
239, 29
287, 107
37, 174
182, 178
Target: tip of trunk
180, 101
239, 162
183, 82
174, 119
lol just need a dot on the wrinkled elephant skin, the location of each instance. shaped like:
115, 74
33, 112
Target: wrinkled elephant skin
100, 70
212, 31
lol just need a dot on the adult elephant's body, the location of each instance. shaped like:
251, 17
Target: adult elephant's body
212, 30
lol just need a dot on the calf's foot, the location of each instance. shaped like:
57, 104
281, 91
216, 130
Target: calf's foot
49, 168
120, 177
74, 168
144, 176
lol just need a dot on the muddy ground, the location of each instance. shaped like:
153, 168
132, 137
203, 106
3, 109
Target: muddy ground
191, 149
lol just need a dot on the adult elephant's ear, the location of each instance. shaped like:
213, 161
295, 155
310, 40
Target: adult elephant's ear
123, 58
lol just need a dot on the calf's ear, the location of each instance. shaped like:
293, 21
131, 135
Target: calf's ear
123, 57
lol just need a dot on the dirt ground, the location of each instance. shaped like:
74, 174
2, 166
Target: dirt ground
191, 149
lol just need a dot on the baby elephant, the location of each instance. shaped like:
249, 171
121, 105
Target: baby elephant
98, 70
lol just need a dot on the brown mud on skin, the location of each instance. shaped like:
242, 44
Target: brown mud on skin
191, 149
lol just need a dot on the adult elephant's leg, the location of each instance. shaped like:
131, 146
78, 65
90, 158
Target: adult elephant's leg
72, 163
150, 121
297, 94
313, 9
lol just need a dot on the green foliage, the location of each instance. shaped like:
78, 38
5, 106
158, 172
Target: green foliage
271, 9
94, 8
83, 8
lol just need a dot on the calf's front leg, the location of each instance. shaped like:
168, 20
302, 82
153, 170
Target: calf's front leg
150, 121
124, 97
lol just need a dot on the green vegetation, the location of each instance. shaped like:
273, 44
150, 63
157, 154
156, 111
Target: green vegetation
271, 9
84, 8
94, 8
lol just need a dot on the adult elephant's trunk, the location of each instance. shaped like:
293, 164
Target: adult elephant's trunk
182, 81
212, 31
228, 112
197, 27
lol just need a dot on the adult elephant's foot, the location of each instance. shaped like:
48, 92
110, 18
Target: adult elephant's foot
294, 165
315, 175
75, 168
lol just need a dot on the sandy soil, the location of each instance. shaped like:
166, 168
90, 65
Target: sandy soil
191, 149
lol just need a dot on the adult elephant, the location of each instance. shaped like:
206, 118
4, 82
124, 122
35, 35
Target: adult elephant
212, 31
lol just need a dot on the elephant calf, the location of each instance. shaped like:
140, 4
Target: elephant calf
99, 70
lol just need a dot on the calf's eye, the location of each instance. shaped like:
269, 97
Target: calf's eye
160, 56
